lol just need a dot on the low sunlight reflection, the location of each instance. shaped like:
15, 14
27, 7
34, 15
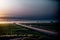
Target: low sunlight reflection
5, 22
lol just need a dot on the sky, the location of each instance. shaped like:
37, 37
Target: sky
23, 8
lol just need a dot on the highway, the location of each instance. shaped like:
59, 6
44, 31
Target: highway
38, 29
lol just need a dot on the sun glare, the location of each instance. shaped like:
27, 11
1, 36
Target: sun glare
2, 13
2, 7
5, 22
2, 3
2, 22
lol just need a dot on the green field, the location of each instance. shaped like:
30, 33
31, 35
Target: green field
13, 29
46, 26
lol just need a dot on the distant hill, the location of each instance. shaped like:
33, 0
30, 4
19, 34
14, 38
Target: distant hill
28, 18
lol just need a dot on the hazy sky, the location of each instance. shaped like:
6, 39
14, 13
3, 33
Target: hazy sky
27, 8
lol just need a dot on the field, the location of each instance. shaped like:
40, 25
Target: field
46, 26
11, 30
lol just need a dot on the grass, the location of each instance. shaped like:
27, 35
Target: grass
16, 30
46, 26
13, 29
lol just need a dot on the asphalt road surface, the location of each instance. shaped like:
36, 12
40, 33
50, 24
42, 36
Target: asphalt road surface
38, 29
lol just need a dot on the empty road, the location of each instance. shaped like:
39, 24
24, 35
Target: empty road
38, 29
